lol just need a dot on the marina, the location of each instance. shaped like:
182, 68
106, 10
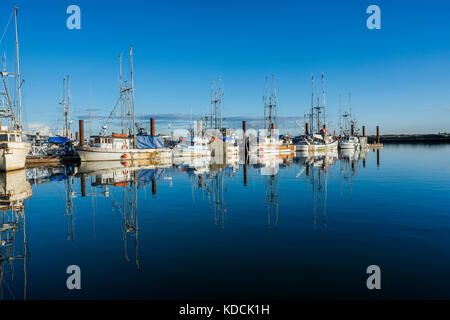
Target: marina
208, 155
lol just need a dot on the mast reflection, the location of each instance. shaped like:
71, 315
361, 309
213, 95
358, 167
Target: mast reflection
14, 190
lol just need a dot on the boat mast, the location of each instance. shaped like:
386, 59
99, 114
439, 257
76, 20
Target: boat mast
312, 103
340, 122
212, 102
265, 103
120, 90
270, 107
132, 99
67, 110
318, 115
323, 97
350, 105
63, 103
18, 122
274, 115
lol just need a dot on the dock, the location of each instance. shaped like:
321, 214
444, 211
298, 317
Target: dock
37, 161
413, 138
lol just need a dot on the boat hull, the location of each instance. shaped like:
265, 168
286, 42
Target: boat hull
191, 153
98, 154
346, 145
13, 155
316, 147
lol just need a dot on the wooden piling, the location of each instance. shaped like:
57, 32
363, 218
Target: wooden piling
378, 135
153, 187
83, 186
364, 131
152, 127
81, 130
306, 128
244, 135
245, 175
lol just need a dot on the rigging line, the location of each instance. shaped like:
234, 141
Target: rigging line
6, 28
111, 114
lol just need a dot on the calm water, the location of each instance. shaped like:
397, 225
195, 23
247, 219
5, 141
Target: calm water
293, 228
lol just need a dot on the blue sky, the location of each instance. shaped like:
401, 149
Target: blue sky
399, 76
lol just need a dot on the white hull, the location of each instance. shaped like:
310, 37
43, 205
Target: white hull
13, 155
346, 145
14, 187
99, 154
191, 153
316, 147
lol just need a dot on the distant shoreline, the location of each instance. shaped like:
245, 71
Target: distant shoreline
412, 138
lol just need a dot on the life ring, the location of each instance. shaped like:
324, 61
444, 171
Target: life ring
124, 146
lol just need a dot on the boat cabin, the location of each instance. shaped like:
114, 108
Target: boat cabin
111, 142
10, 136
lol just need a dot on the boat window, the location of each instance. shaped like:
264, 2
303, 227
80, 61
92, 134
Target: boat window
97, 140
12, 137
3, 137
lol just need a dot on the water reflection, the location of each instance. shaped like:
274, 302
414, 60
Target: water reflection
14, 190
123, 183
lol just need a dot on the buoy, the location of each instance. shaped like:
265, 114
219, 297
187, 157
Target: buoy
124, 156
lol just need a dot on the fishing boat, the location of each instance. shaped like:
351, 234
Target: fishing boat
286, 146
123, 146
13, 150
316, 142
192, 147
349, 134
321, 140
264, 145
349, 142
268, 140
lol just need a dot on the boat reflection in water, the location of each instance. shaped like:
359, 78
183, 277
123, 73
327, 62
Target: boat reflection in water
213, 183
14, 190
208, 174
128, 177
316, 167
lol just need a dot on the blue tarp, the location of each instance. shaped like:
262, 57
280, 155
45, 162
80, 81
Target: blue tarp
147, 175
58, 140
149, 142
296, 140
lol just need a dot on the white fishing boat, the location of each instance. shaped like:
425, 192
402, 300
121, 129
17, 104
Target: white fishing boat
322, 140
13, 151
118, 147
349, 142
348, 130
131, 146
316, 142
192, 147
264, 145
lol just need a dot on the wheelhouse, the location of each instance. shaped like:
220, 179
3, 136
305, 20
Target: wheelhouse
10, 136
110, 142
